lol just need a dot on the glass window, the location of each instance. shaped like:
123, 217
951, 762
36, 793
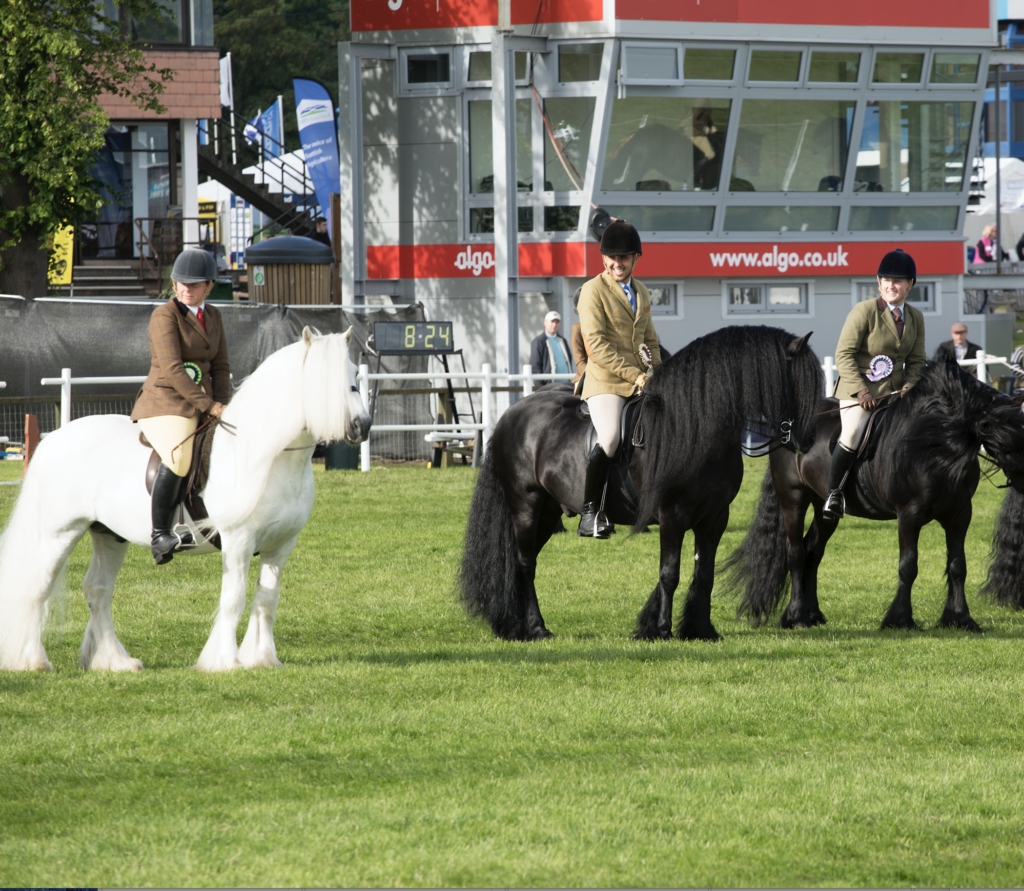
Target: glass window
480, 66
665, 144
708, 64
561, 219
775, 65
663, 299
766, 298
922, 295
579, 61
163, 26
652, 62
428, 68
571, 119
914, 146
202, 22
834, 68
955, 68
481, 146
481, 219
798, 145
754, 218
906, 219
898, 68
665, 219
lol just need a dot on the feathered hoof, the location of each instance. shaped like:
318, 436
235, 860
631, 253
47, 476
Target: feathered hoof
798, 622
965, 623
707, 634
541, 633
899, 625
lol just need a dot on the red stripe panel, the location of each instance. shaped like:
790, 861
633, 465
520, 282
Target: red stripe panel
873, 13
381, 15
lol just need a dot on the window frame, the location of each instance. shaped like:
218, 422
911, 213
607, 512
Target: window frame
807, 302
805, 56
465, 83
926, 67
450, 87
676, 287
934, 308
624, 77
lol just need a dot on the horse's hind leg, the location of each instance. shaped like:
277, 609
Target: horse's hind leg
258, 649
534, 525
101, 650
221, 650
805, 556
957, 614
696, 621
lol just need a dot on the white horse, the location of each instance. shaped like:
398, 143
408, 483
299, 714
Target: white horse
259, 496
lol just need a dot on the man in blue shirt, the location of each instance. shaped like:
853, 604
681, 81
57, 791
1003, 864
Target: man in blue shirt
549, 352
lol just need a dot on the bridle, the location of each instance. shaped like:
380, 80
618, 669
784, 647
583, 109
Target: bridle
786, 437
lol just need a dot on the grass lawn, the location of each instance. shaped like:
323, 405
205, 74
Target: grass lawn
403, 745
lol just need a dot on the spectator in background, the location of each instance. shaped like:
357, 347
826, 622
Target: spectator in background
321, 234
1017, 365
959, 347
549, 352
985, 249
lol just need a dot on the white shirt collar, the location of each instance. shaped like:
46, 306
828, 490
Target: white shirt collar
195, 309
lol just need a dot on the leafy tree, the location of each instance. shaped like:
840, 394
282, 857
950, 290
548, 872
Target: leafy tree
272, 41
56, 59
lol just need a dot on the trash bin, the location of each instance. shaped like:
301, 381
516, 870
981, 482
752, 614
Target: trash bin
289, 269
223, 289
341, 456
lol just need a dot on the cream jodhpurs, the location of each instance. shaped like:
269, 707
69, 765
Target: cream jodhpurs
605, 412
165, 432
854, 419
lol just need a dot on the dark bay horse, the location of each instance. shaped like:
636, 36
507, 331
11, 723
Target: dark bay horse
687, 473
925, 468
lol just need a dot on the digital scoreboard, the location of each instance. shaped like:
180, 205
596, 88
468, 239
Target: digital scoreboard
413, 337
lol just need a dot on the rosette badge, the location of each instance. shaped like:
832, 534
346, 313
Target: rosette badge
879, 368
193, 371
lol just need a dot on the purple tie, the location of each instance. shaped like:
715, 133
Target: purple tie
897, 314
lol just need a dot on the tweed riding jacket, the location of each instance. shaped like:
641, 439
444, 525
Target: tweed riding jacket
176, 337
614, 335
870, 331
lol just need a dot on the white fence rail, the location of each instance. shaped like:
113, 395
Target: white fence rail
488, 378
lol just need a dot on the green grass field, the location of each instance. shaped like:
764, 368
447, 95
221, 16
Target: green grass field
403, 745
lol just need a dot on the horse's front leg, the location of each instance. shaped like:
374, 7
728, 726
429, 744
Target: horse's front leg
696, 621
655, 619
221, 650
957, 614
258, 649
901, 613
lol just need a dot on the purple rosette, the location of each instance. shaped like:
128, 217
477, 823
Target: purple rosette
879, 368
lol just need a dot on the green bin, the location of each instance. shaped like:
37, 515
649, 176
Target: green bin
341, 456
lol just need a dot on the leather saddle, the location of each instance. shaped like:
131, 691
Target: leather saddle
861, 470
621, 497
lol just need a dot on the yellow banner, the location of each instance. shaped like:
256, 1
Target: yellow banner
62, 245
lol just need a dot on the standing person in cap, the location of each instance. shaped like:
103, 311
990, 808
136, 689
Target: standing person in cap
959, 347
188, 376
880, 355
615, 319
549, 353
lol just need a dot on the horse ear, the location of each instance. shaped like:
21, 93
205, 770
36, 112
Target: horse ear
798, 346
307, 336
348, 334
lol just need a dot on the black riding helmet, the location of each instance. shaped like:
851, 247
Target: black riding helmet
194, 266
898, 264
620, 238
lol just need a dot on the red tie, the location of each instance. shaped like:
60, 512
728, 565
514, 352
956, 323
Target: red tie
199, 315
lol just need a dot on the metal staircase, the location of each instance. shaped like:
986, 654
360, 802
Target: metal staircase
227, 155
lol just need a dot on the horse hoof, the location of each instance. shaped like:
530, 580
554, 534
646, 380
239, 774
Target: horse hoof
541, 633
910, 625
711, 636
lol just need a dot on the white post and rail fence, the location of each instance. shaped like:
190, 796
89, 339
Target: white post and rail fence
438, 432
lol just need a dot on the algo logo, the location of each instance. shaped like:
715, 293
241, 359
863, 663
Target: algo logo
780, 260
394, 5
478, 261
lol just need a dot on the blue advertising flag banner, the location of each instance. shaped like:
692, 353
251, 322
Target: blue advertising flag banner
319, 137
252, 131
270, 125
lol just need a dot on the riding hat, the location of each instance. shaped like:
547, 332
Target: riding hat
898, 264
620, 238
194, 266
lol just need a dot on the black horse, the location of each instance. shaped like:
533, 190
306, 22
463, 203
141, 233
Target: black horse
687, 472
1005, 580
925, 467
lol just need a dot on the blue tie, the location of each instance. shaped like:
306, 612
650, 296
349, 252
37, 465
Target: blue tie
632, 299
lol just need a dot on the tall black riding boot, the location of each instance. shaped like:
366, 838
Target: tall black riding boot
593, 522
842, 461
166, 491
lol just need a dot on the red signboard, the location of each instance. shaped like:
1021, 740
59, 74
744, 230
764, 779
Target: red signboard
402, 15
863, 13
680, 260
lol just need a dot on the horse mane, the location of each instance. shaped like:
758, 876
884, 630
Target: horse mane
943, 421
702, 398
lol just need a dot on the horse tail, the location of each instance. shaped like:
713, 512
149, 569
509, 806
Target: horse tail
760, 563
26, 579
489, 574
1005, 582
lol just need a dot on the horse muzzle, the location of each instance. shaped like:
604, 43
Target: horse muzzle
358, 429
